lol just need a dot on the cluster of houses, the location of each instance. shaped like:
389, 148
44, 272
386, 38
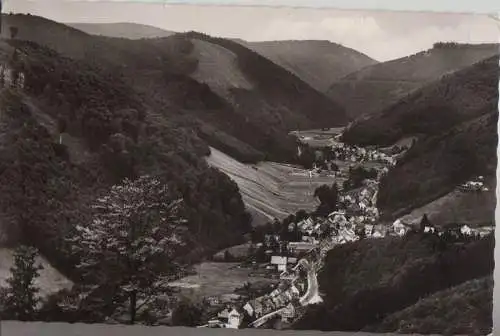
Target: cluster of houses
357, 215
476, 184
400, 228
344, 152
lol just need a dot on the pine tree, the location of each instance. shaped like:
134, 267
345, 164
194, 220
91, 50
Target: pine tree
21, 299
133, 239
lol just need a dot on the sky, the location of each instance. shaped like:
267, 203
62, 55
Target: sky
382, 35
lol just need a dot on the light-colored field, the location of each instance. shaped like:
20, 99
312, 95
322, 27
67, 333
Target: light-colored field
218, 67
50, 280
271, 190
317, 137
215, 279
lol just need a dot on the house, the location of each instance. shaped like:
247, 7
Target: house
234, 319
288, 313
465, 230
399, 228
223, 315
280, 262
258, 309
368, 229
429, 229
249, 309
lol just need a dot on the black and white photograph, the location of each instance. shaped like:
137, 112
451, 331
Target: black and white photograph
247, 167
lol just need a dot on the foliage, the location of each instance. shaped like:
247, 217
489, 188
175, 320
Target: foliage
21, 298
186, 314
465, 309
133, 239
435, 166
357, 175
399, 271
328, 197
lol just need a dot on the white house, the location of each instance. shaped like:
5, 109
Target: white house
249, 309
234, 319
465, 230
399, 228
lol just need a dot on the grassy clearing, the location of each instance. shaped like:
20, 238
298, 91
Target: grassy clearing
49, 282
472, 209
215, 279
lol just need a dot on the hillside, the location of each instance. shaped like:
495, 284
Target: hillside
175, 76
316, 62
457, 207
435, 166
436, 107
376, 87
358, 276
45, 190
128, 30
467, 310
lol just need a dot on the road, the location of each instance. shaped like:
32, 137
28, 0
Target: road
260, 321
312, 293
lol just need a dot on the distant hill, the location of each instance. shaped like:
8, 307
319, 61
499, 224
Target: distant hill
375, 87
432, 109
127, 30
235, 99
316, 62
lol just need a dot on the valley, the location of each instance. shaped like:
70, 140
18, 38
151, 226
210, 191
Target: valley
188, 179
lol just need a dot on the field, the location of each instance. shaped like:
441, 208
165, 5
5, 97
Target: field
271, 190
317, 137
50, 280
215, 279
472, 209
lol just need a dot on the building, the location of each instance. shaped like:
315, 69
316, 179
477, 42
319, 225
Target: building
234, 319
249, 309
280, 262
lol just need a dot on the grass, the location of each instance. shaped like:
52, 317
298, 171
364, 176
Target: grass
215, 279
471, 209
49, 282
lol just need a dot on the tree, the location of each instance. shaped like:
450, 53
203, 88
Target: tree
21, 298
133, 240
13, 32
186, 314
424, 222
228, 256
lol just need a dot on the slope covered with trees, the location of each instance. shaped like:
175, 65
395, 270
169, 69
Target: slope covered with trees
316, 62
378, 86
434, 108
250, 124
46, 190
399, 272
436, 165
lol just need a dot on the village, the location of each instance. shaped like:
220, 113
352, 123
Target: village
296, 261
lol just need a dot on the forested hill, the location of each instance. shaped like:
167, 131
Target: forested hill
376, 87
235, 99
108, 133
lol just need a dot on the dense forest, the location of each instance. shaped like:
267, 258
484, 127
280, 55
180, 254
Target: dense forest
110, 135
